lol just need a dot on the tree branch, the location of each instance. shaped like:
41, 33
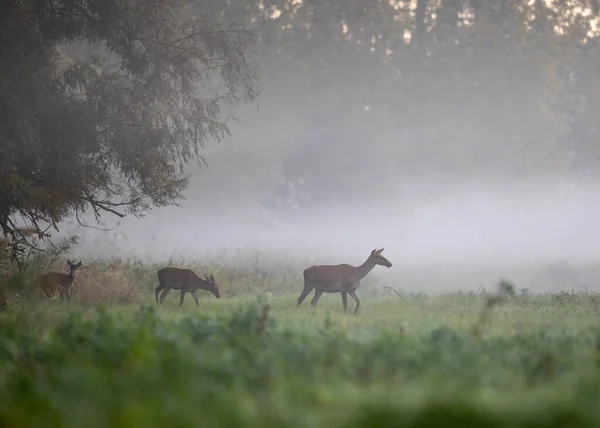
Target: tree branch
191, 52
104, 206
93, 227
395, 291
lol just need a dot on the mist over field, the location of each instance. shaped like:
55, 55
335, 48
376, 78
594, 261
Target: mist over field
470, 224
459, 137
442, 227
476, 228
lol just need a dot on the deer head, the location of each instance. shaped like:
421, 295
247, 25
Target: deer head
212, 284
73, 266
378, 259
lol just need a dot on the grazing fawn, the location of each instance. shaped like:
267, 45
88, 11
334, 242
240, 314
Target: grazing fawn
53, 282
186, 281
343, 279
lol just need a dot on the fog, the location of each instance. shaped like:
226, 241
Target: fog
476, 226
440, 232
445, 171
472, 223
429, 220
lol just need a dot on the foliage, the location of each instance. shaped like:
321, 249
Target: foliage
410, 362
111, 124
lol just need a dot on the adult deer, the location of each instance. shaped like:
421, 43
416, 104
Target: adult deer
343, 279
184, 280
53, 282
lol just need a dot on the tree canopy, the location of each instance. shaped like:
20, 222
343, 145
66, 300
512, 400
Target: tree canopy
103, 103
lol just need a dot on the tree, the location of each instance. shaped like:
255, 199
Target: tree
103, 103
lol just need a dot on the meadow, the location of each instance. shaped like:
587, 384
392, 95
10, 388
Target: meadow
112, 358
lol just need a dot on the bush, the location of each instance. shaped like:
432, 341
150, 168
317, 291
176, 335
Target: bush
262, 366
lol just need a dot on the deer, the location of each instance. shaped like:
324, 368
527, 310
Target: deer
186, 281
53, 282
342, 278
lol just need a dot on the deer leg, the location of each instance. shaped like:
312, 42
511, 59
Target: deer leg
67, 294
305, 292
62, 292
345, 300
164, 293
316, 298
157, 290
195, 298
181, 298
356, 299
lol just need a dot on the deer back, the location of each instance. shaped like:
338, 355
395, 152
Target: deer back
192, 282
328, 274
187, 279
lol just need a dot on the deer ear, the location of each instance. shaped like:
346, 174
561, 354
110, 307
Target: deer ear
206, 277
212, 278
373, 252
79, 264
379, 251
69, 262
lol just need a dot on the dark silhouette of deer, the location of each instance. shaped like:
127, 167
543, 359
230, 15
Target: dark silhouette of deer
186, 281
57, 282
343, 279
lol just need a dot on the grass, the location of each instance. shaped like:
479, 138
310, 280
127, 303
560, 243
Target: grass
112, 358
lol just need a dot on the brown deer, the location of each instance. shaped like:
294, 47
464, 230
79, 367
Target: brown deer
53, 282
184, 280
343, 279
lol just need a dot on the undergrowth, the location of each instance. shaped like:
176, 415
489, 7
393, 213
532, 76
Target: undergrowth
260, 364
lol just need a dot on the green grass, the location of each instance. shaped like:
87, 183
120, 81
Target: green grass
248, 362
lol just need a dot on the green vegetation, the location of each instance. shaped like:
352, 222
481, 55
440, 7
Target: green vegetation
257, 360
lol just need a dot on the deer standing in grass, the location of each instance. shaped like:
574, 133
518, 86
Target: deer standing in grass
343, 279
186, 281
53, 282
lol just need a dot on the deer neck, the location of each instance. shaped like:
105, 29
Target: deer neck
71, 277
365, 268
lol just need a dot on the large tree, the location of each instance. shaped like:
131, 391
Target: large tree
103, 102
